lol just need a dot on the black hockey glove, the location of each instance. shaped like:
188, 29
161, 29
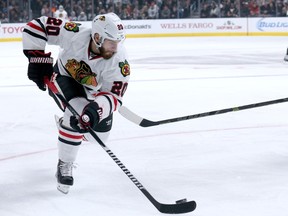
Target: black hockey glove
40, 66
89, 118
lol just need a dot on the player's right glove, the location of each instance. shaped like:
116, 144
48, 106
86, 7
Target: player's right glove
89, 118
40, 66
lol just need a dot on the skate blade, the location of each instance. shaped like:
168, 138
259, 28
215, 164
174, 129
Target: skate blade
63, 188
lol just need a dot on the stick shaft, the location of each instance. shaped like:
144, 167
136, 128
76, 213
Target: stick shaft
143, 122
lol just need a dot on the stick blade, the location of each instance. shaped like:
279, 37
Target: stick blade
128, 114
131, 116
177, 208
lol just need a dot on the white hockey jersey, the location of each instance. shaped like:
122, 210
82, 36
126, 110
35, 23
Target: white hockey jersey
100, 76
61, 14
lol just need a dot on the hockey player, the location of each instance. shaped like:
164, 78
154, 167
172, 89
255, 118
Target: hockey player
286, 56
91, 72
61, 13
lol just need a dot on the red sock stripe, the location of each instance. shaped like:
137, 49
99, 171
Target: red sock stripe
76, 137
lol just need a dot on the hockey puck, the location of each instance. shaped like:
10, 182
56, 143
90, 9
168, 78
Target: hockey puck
181, 201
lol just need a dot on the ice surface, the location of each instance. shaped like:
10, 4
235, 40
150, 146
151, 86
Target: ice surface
231, 164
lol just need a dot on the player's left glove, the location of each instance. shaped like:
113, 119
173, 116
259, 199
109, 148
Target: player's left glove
40, 66
89, 118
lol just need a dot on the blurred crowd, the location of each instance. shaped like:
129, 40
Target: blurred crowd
17, 11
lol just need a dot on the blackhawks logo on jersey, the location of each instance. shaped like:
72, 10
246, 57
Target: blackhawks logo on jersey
125, 68
81, 72
72, 26
102, 18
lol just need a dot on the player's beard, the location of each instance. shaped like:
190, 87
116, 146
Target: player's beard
105, 54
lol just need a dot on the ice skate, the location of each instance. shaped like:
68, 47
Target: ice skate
64, 176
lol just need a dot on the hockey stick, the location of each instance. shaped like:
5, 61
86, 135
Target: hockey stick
181, 206
131, 116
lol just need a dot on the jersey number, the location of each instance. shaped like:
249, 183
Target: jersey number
120, 27
119, 88
53, 28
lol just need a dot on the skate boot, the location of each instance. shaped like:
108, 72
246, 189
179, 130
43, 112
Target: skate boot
64, 176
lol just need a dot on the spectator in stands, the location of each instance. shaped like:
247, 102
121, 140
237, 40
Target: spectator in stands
101, 8
159, 3
174, 12
73, 16
153, 11
89, 11
126, 13
82, 16
45, 11
244, 9
281, 9
233, 11
186, 9
285, 9
24, 16
224, 7
144, 12
4, 18
118, 7
264, 10
165, 12
272, 8
53, 8
205, 11
215, 10
77, 8
3, 7
14, 12
254, 8
136, 14
36, 8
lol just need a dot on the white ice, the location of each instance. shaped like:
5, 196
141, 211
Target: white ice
233, 164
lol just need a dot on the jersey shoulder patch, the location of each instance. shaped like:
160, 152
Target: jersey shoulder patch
72, 26
124, 68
